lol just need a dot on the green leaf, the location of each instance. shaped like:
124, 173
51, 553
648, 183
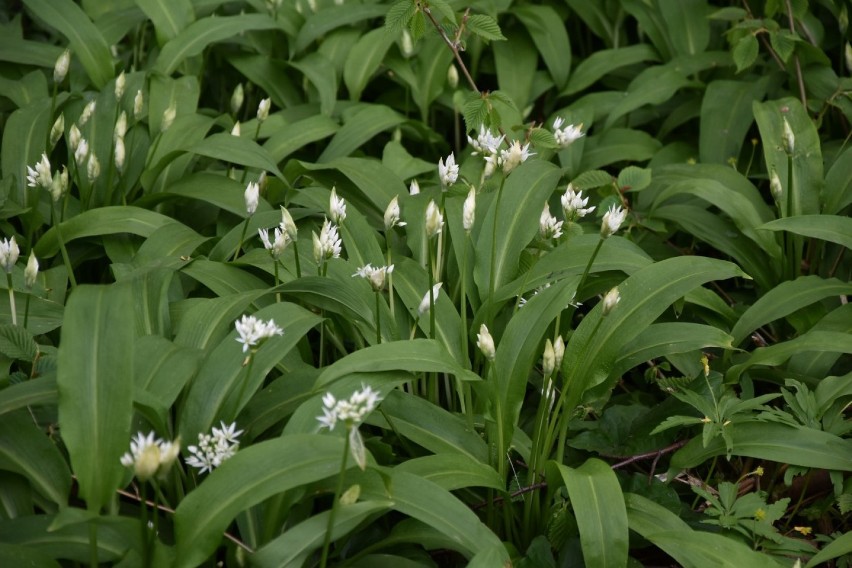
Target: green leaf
661, 339
297, 543
33, 392
807, 158
251, 476
361, 125
25, 52
745, 52
17, 343
333, 17
598, 341
169, 17
364, 60
835, 549
271, 75
451, 473
24, 449
399, 14
293, 136
201, 33
485, 27
414, 355
691, 549
837, 191
547, 31
235, 150
24, 135
633, 178
686, 24
605, 61
95, 382
832, 228
102, 221
780, 352
18, 555
598, 505
618, 145
319, 70
87, 43
378, 184
653, 86
524, 194
784, 43
801, 446
726, 117
591, 179
516, 61
431, 427
785, 299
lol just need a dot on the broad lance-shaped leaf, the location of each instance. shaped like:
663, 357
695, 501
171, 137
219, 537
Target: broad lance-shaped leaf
806, 447
598, 505
251, 476
690, 548
95, 382
832, 228
597, 343
785, 299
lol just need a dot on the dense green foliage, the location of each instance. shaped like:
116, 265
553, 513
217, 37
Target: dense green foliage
639, 353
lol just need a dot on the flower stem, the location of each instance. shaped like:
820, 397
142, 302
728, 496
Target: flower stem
93, 544
390, 276
62, 249
430, 269
277, 280
242, 237
143, 521
492, 276
26, 309
12, 299
378, 319
238, 401
337, 492
298, 264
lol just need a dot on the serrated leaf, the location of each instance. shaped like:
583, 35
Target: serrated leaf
475, 113
591, 180
485, 27
543, 138
417, 25
445, 9
784, 43
745, 52
399, 14
17, 343
634, 178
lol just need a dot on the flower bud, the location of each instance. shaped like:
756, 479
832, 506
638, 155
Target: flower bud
138, 102
169, 451
235, 131
288, 225
147, 463
120, 85
237, 98
612, 221
558, 351
469, 210
93, 168
263, 109
88, 110
57, 130
81, 152
486, 343
775, 186
252, 197
426, 301
31, 271
9, 253
168, 117
453, 76
120, 126
406, 45
788, 138
392, 214
60, 68
414, 188
74, 137
434, 220
548, 360
119, 154
847, 53
59, 185
610, 300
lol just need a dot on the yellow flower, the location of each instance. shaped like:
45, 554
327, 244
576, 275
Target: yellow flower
803, 530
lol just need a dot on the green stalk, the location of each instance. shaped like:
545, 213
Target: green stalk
794, 241
242, 237
298, 264
277, 281
143, 521
337, 492
26, 309
492, 273
12, 299
245, 384
62, 249
431, 271
93, 544
378, 319
389, 276
464, 387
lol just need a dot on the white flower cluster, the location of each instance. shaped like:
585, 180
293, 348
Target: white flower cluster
469, 210
337, 205
214, 448
548, 226
449, 171
486, 343
574, 204
375, 275
434, 219
327, 244
612, 220
485, 143
252, 197
568, 135
149, 455
509, 158
351, 412
392, 212
9, 253
252, 331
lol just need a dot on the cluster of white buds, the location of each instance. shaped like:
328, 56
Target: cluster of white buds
327, 244
429, 298
788, 138
485, 143
375, 275
610, 300
214, 448
414, 187
434, 219
288, 225
448, 171
138, 104
9, 253
568, 135
87, 113
93, 168
57, 130
775, 186
574, 204
40, 175
120, 85
149, 456
277, 244
31, 271
612, 220
252, 197
118, 137
514, 156
252, 331
469, 210
548, 226
337, 207
392, 214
